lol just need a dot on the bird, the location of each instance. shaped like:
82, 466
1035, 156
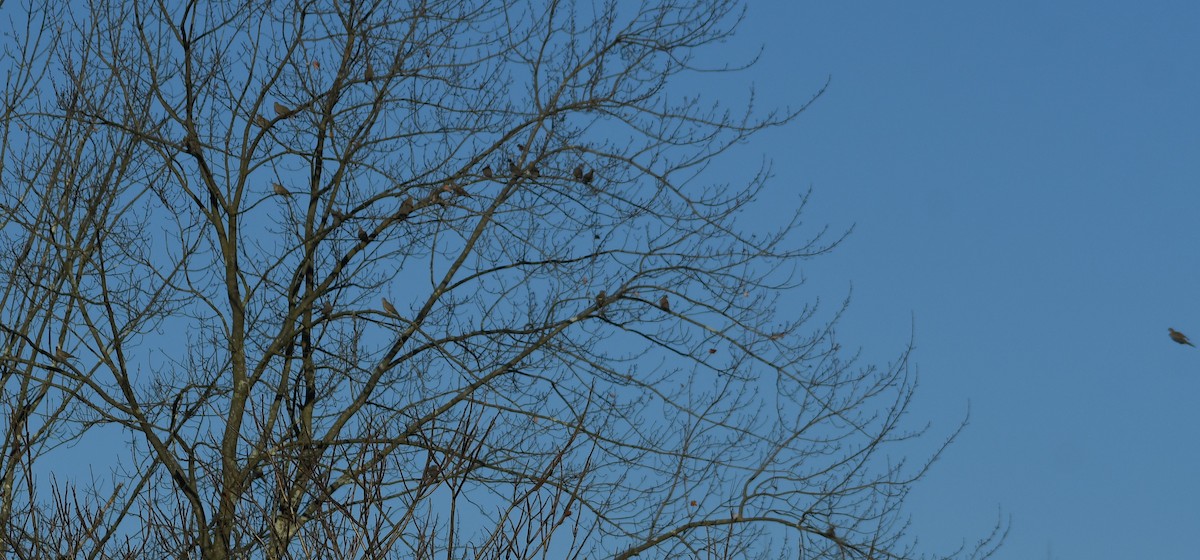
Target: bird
391, 309
600, 300
487, 172
261, 121
665, 304
512, 168
534, 171
587, 177
281, 110
362, 235
406, 208
369, 74
338, 215
281, 190
1179, 337
577, 172
327, 309
521, 147
62, 355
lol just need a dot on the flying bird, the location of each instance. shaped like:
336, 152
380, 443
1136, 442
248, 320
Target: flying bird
665, 304
1179, 337
281, 190
577, 172
391, 309
487, 172
281, 110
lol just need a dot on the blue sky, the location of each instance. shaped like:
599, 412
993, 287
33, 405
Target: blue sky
1024, 182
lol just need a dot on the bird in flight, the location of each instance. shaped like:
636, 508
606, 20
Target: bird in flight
1179, 337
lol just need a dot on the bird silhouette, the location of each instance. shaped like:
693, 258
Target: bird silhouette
664, 303
362, 235
1179, 337
281, 190
534, 171
281, 110
487, 172
587, 177
62, 355
391, 309
577, 172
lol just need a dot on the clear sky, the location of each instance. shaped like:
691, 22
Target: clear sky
1024, 182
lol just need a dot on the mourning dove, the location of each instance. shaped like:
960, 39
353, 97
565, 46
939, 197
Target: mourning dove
487, 172
281, 110
281, 190
327, 308
391, 309
406, 207
362, 235
513, 169
534, 171
577, 172
664, 303
601, 298
454, 188
62, 355
261, 121
1180, 337
587, 177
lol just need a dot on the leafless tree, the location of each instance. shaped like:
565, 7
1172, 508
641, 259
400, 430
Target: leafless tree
429, 279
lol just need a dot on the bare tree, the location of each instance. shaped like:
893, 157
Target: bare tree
452, 279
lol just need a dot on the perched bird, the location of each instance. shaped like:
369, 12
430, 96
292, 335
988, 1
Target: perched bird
338, 215
587, 177
534, 171
601, 299
327, 308
281, 110
513, 169
406, 208
521, 147
62, 355
369, 74
362, 235
664, 303
487, 172
391, 309
261, 121
577, 172
1180, 337
281, 190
